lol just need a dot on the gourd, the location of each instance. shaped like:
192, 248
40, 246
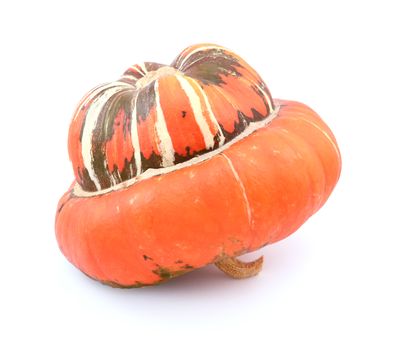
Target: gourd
185, 165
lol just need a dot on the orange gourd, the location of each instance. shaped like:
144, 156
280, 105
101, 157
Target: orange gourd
181, 166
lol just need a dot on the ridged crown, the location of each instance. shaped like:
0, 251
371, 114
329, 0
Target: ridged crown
156, 116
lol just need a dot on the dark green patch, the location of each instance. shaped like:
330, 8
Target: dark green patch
166, 274
85, 181
162, 273
129, 168
154, 162
133, 73
145, 101
115, 284
187, 267
104, 131
178, 158
152, 66
210, 65
257, 116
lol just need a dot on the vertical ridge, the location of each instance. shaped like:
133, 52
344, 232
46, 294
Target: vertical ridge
165, 145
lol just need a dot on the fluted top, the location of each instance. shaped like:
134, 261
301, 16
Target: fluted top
157, 116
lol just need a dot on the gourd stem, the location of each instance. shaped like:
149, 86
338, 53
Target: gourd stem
238, 269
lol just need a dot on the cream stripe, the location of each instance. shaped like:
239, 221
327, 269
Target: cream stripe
165, 145
211, 115
138, 70
130, 77
324, 133
195, 103
134, 135
267, 98
143, 68
89, 126
201, 48
111, 177
242, 187
95, 91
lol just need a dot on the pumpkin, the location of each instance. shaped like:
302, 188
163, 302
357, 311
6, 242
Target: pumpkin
181, 166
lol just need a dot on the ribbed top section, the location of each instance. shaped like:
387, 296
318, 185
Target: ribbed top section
156, 116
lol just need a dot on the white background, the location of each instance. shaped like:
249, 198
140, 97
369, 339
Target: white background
328, 286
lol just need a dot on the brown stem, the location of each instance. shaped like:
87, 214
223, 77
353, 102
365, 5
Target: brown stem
236, 268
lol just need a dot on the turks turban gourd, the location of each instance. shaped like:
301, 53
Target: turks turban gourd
180, 166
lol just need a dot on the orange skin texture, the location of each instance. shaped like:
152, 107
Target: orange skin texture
185, 131
172, 223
